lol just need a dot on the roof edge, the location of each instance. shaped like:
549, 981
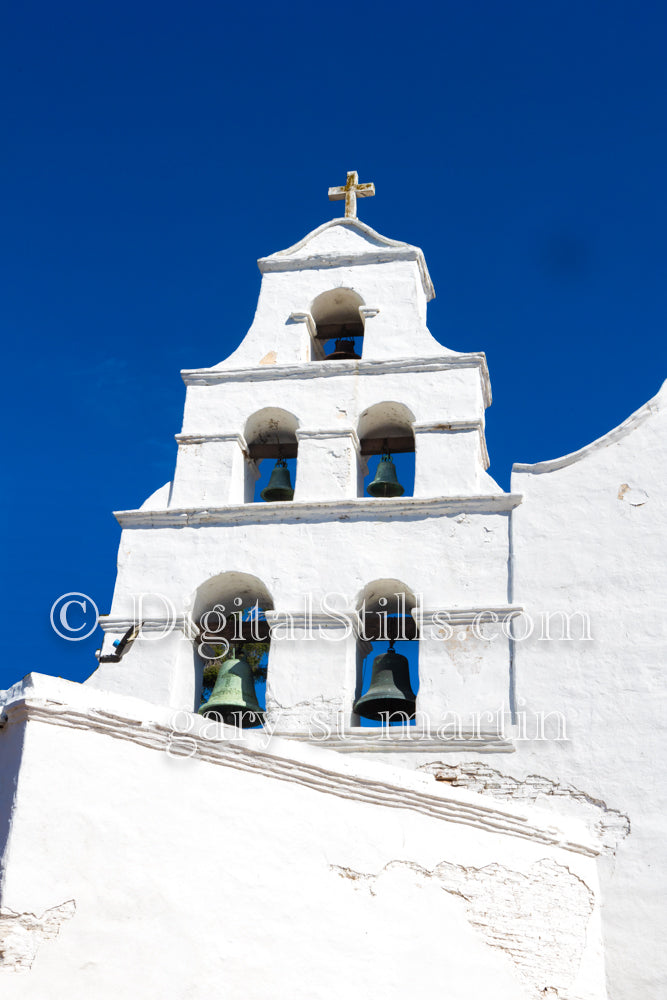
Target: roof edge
387, 249
341, 221
52, 701
649, 409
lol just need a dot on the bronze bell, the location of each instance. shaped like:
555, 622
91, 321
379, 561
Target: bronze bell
344, 351
279, 486
386, 482
390, 693
233, 698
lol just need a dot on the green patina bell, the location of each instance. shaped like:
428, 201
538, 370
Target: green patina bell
279, 486
386, 482
233, 698
390, 696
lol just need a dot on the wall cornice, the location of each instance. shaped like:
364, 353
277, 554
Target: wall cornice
183, 623
189, 736
636, 419
381, 249
328, 369
362, 508
454, 427
320, 261
299, 619
304, 434
465, 616
208, 438
305, 317
360, 740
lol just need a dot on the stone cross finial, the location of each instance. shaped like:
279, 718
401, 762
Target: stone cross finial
352, 190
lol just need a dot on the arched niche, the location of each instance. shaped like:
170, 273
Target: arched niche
225, 588
387, 427
229, 612
270, 434
384, 609
394, 592
337, 318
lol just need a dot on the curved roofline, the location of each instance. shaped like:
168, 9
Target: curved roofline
385, 249
341, 221
649, 409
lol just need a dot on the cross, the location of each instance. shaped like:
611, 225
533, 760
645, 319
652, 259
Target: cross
352, 190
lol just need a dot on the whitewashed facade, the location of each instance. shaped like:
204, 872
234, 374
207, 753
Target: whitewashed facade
510, 843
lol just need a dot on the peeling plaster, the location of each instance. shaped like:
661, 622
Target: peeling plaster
538, 919
633, 495
21, 934
610, 825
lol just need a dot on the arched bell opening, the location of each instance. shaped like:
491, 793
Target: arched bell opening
387, 441
387, 657
339, 324
272, 456
233, 645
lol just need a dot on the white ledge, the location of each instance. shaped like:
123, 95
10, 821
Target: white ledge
377, 740
299, 619
39, 699
378, 250
649, 409
206, 438
456, 427
334, 369
363, 508
465, 616
117, 625
305, 317
304, 433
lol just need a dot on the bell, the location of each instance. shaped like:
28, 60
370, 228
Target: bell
344, 351
280, 484
386, 482
233, 698
389, 693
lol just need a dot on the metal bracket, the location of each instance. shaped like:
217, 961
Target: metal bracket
122, 645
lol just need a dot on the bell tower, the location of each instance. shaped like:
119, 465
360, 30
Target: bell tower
290, 524
338, 366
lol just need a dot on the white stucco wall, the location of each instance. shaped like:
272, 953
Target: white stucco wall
446, 400
591, 536
389, 276
265, 868
455, 560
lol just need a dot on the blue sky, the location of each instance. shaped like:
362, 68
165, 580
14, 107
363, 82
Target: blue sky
153, 152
